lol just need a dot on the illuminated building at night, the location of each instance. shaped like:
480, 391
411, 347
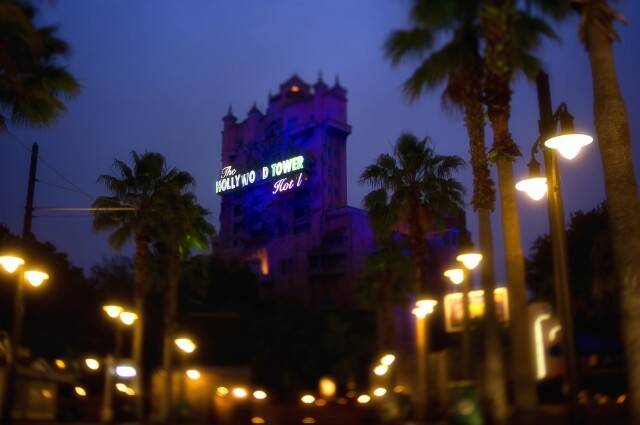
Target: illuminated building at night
283, 184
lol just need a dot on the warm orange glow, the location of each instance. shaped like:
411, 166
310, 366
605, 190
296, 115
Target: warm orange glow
60, 364
307, 399
456, 276
46, 393
470, 260
379, 392
35, 278
128, 318
569, 145
424, 308
259, 395
388, 359
398, 389
321, 402
193, 374
381, 370
112, 311
364, 399
122, 387
327, 387
239, 392
185, 344
11, 263
308, 420
535, 187
92, 363
257, 420
295, 89
80, 391
454, 310
222, 391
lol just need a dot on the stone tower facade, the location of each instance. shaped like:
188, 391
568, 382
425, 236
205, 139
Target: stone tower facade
283, 185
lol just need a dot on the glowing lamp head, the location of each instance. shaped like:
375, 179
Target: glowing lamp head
112, 310
81, 392
35, 278
128, 317
327, 387
569, 144
307, 399
456, 276
363, 399
60, 364
91, 363
535, 187
381, 370
427, 305
239, 393
186, 345
193, 374
470, 260
121, 386
259, 395
379, 392
387, 359
10, 263
222, 391
126, 371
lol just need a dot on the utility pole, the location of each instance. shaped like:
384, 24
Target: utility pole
28, 209
11, 377
558, 243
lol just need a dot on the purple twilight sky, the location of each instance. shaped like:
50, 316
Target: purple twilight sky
158, 75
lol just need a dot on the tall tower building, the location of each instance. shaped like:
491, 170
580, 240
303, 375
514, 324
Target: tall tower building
284, 195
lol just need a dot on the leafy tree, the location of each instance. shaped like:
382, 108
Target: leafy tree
136, 207
445, 36
511, 36
597, 32
384, 281
185, 228
32, 82
593, 286
421, 192
63, 315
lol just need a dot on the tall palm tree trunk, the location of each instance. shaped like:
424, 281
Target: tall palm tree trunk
170, 321
385, 315
623, 203
497, 22
140, 265
521, 350
494, 389
417, 249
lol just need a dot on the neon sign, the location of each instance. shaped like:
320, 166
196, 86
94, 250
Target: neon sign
230, 179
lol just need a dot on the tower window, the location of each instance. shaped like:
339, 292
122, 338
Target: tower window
295, 89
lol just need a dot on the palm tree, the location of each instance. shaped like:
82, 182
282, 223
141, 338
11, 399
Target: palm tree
457, 64
421, 191
597, 32
32, 83
385, 271
511, 36
185, 228
135, 207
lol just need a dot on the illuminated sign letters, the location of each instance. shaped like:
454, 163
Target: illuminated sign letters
231, 179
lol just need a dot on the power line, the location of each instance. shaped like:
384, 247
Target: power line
51, 167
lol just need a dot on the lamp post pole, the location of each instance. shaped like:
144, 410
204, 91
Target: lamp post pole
466, 331
11, 368
421, 343
547, 126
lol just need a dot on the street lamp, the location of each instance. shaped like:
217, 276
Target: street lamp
568, 144
121, 318
11, 264
470, 260
422, 310
456, 276
187, 346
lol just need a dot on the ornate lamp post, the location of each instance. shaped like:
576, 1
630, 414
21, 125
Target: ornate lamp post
422, 311
35, 278
568, 143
